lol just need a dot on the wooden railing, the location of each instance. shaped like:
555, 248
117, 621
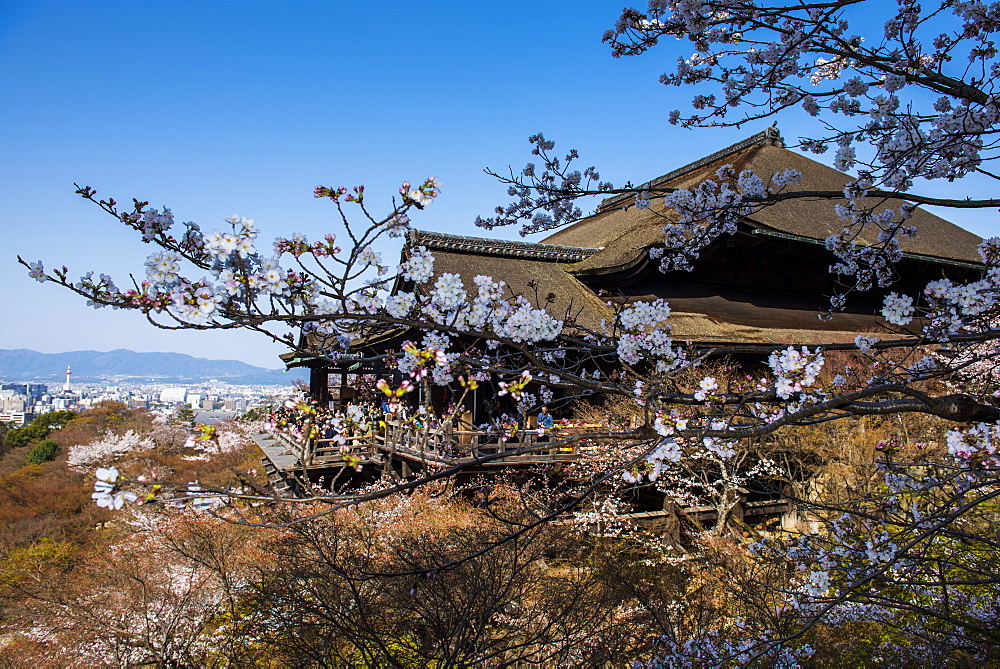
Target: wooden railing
447, 444
293, 446
451, 443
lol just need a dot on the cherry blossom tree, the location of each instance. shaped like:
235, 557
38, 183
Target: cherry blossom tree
911, 103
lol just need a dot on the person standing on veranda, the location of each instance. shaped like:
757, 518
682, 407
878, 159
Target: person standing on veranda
545, 422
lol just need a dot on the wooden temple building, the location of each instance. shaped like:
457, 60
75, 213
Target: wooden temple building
764, 285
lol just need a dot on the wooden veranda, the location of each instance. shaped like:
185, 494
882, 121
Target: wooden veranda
403, 449
410, 449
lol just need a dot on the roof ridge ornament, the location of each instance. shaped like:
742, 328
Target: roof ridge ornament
772, 136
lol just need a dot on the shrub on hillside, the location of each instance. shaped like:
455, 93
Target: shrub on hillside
44, 451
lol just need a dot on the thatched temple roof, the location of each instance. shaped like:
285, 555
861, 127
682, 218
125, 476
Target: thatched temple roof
710, 320
571, 261
624, 233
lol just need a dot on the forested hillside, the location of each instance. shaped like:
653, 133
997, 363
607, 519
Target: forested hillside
456, 576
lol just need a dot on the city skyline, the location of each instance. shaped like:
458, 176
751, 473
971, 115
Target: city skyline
215, 400
223, 108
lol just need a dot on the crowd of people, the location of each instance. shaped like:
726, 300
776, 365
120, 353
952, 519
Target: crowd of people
307, 419
304, 418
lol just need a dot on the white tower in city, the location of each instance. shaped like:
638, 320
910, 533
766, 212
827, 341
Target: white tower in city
66, 387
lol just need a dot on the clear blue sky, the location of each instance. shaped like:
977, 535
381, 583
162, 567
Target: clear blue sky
216, 108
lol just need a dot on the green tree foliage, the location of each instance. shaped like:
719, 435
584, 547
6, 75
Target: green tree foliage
44, 451
185, 415
22, 565
22, 436
256, 413
37, 429
55, 420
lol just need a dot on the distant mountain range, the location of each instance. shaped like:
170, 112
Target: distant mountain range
122, 364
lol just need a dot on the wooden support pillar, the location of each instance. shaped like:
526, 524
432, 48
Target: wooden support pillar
466, 425
672, 523
790, 521
737, 513
343, 394
319, 385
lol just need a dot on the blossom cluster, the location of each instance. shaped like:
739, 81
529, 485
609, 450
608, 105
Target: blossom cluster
106, 491
423, 194
711, 209
711, 649
645, 333
448, 303
954, 307
545, 198
107, 448
978, 443
898, 309
795, 369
